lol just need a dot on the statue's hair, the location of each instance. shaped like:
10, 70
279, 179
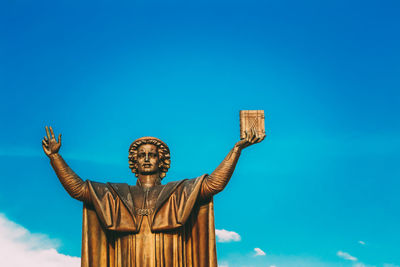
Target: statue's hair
163, 153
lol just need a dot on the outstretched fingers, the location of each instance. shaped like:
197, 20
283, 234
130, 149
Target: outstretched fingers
45, 147
45, 141
49, 143
52, 133
48, 133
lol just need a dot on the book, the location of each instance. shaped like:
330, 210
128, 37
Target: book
251, 119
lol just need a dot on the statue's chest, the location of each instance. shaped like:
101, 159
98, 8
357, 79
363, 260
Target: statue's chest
144, 200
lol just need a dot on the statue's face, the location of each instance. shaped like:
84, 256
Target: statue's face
148, 159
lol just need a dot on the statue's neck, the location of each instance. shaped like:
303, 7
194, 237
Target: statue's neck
148, 180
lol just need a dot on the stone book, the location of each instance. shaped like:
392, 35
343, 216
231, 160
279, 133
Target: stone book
252, 119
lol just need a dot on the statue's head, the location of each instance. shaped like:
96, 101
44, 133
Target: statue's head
148, 155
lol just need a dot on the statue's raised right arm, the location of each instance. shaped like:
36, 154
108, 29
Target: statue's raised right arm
219, 178
74, 185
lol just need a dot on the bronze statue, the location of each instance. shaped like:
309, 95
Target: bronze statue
148, 224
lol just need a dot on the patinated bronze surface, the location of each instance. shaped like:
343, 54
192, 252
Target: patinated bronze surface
148, 224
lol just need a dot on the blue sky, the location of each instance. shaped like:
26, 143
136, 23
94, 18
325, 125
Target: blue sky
105, 73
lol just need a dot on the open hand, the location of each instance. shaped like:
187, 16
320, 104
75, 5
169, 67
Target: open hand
50, 144
252, 137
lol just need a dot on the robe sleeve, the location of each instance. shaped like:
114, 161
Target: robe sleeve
174, 211
111, 211
72, 183
219, 178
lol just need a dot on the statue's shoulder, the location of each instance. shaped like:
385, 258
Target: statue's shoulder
174, 183
122, 189
185, 183
170, 187
118, 185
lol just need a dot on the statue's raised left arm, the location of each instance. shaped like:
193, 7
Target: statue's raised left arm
72, 183
219, 178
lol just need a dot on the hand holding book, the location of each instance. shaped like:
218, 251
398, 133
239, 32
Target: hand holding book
252, 128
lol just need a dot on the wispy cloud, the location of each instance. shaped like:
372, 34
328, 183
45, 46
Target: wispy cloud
20, 248
361, 242
346, 256
224, 236
259, 252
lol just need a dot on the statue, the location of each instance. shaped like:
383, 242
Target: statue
148, 224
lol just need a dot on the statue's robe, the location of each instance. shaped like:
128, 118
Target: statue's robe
169, 225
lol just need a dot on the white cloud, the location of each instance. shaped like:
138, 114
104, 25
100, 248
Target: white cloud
360, 264
346, 256
223, 264
20, 248
361, 242
272, 266
224, 236
259, 252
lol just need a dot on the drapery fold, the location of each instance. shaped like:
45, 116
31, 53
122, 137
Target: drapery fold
179, 232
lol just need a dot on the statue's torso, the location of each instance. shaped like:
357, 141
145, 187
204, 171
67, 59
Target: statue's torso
175, 232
